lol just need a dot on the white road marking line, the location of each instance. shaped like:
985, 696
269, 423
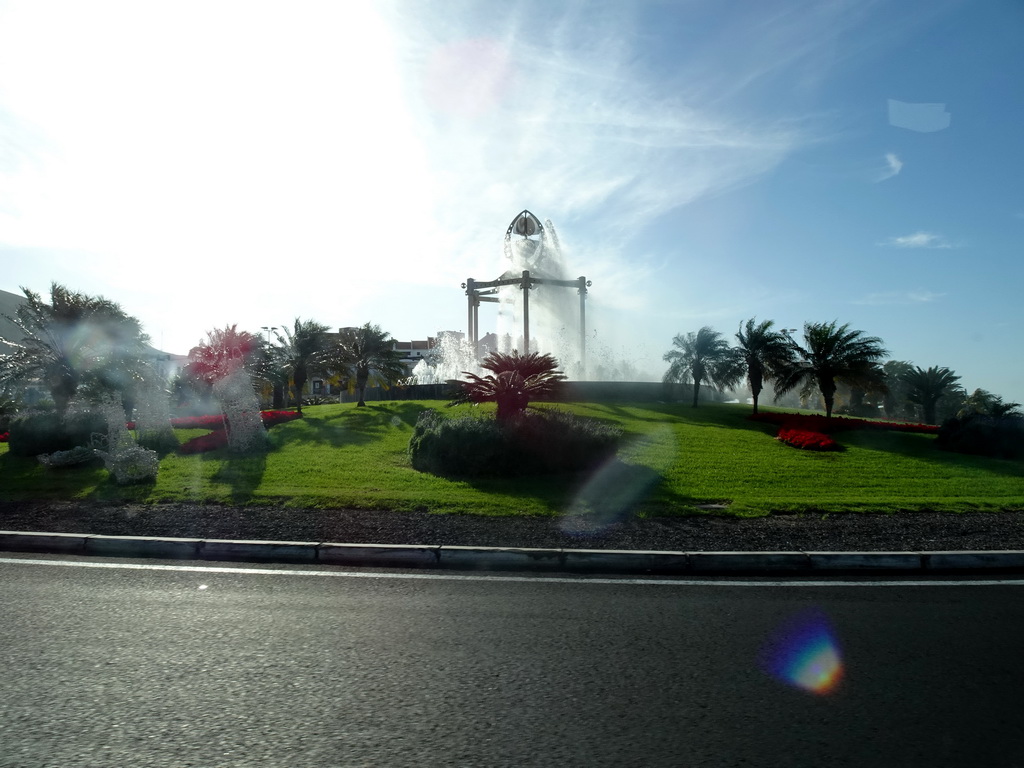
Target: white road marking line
709, 582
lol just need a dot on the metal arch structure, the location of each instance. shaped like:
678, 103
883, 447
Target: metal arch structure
524, 224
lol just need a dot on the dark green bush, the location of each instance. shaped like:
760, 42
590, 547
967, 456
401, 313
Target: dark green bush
163, 441
997, 436
8, 411
531, 443
36, 433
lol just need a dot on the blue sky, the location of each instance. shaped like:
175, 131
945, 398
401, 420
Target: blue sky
207, 163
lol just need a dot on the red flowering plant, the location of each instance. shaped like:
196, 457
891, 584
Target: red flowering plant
224, 351
807, 440
4, 436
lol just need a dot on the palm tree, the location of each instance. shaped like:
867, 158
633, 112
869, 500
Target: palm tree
701, 357
983, 402
895, 402
368, 354
76, 340
300, 350
831, 353
926, 387
223, 351
514, 381
765, 352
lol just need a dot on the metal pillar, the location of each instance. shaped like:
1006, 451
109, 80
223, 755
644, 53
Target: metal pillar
526, 311
472, 315
478, 291
583, 324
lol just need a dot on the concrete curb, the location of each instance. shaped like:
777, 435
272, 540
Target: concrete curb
508, 558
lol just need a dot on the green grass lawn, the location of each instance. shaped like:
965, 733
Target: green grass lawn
675, 460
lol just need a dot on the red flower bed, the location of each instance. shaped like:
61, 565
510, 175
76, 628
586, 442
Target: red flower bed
215, 421
272, 418
218, 437
4, 436
817, 423
811, 431
809, 441
211, 441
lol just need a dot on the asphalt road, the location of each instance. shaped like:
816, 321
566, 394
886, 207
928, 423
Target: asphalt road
293, 667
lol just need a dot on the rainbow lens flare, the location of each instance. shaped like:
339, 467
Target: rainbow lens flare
803, 653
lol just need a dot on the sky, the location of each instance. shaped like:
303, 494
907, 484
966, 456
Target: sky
207, 163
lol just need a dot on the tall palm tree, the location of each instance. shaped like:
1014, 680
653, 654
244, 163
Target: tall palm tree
765, 353
895, 402
368, 354
926, 387
514, 381
300, 350
830, 353
76, 340
703, 357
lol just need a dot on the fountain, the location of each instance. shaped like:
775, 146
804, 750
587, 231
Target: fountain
533, 313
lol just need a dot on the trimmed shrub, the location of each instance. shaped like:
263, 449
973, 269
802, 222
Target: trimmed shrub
531, 443
1000, 437
557, 441
462, 446
36, 433
163, 441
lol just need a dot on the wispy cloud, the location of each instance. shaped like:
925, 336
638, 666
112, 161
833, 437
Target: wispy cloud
893, 165
919, 296
919, 240
924, 118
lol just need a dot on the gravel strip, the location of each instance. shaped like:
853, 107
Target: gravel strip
919, 531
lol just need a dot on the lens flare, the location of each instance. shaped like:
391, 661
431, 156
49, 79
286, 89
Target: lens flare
803, 653
611, 492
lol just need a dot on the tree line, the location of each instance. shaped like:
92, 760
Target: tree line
79, 345
832, 356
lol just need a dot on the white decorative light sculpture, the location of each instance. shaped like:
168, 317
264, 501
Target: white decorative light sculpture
241, 409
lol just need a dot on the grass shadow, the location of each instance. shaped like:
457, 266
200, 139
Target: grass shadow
241, 473
611, 493
24, 479
349, 426
923, 448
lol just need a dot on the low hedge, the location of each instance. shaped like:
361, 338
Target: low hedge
1000, 437
47, 432
536, 442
